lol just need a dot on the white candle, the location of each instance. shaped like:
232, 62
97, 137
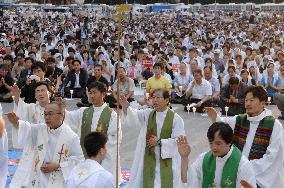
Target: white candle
193, 110
180, 88
188, 108
226, 110
176, 73
71, 92
269, 99
147, 95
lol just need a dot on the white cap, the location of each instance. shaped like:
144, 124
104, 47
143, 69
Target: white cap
217, 51
145, 50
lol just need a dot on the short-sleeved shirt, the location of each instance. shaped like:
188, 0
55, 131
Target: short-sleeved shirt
161, 83
124, 87
202, 90
181, 80
215, 84
276, 81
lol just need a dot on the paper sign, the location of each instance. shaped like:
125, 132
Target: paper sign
176, 67
147, 61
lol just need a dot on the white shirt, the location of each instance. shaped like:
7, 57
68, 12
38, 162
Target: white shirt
90, 174
202, 90
77, 81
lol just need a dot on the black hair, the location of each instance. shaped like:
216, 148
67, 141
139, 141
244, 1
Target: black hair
231, 67
50, 60
44, 83
208, 67
101, 87
224, 130
70, 49
40, 65
76, 60
98, 65
258, 92
165, 93
8, 57
158, 65
234, 80
93, 142
29, 58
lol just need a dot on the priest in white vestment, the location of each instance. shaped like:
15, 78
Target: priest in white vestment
57, 148
3, 151
32, 113
96, 93
164, 149
268, 168
90, 173
230, 167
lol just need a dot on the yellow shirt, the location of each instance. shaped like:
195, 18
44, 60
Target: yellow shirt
161, 83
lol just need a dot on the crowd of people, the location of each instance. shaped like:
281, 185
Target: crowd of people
234, 61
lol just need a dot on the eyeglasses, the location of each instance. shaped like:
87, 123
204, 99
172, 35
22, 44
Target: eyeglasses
50, 114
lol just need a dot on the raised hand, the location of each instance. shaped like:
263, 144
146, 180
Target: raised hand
245, 184
183, 147
15, 91
212, 113
124, 103
14, 119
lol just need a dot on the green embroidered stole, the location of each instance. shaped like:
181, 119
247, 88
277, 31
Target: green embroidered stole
150, 158
230, 170
261, 138
102, 126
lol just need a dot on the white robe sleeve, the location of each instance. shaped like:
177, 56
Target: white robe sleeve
246, 172
76, 156
194, 174
3, 158
168, 146
21, 110
74, 119
267, 168
112, 129
230, 120
135, 117
26, 133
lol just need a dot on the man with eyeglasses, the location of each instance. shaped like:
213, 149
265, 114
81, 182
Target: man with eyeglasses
156, 144
56, 149
98, 117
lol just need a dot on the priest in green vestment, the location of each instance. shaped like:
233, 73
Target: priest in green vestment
98, 117
223, 166
156, 163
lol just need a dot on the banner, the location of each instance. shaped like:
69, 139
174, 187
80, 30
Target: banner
147, 61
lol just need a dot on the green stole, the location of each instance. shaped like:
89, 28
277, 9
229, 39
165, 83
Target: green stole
102, 126
150, 158
230, 170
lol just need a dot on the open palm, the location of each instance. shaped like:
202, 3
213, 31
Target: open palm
183, 146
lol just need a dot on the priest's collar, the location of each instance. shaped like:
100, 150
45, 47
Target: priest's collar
98, 108
259, 117
163, 111
55, 130
225, 157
